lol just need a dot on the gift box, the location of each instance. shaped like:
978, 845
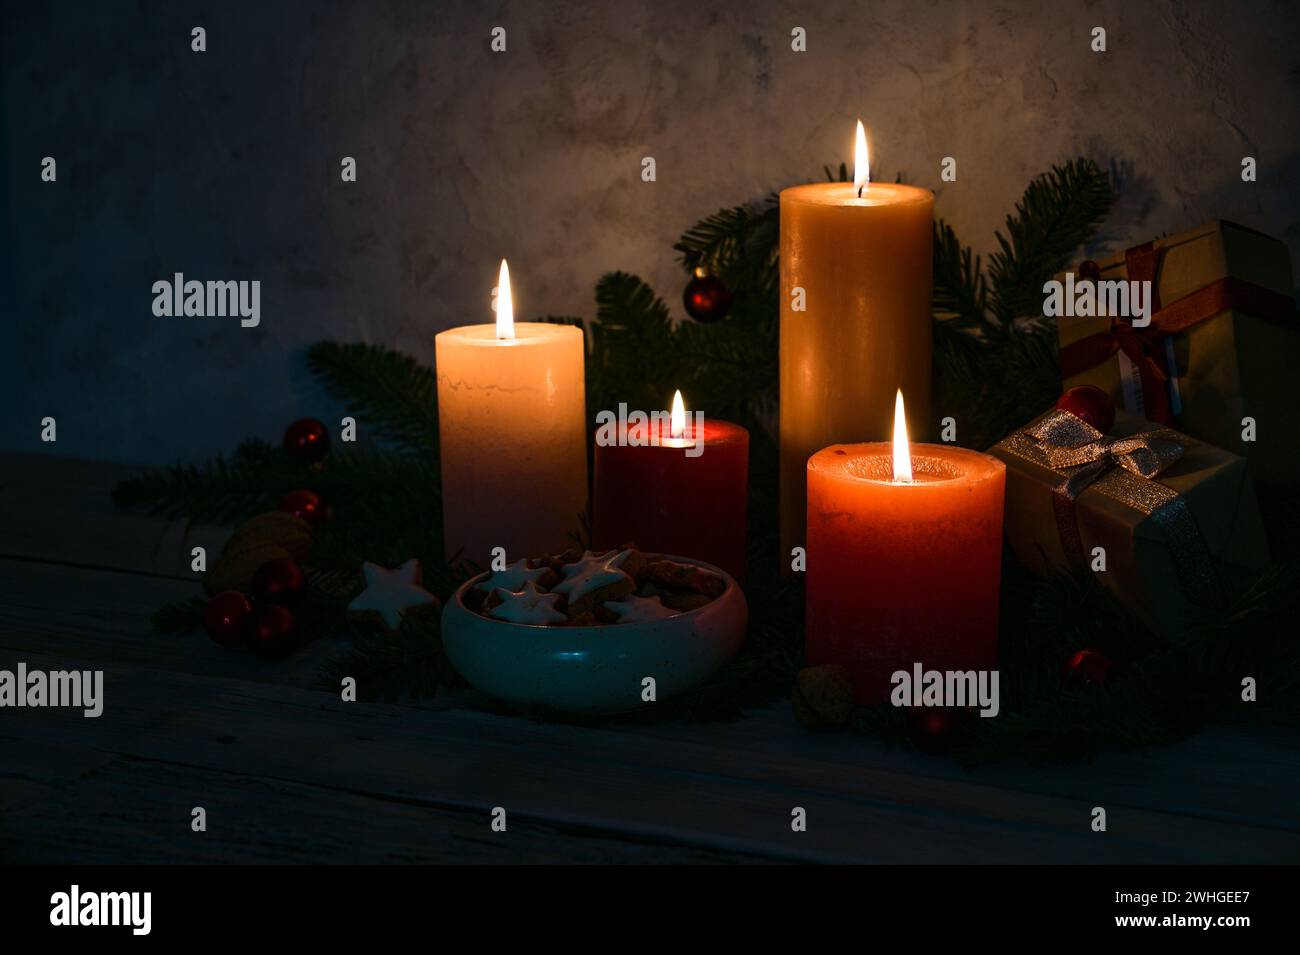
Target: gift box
1177, 518
1223, 343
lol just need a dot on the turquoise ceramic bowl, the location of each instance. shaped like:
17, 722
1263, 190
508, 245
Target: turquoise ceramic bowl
594, 669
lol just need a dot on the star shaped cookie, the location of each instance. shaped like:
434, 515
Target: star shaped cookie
513, 577
528, 606
634, 609
390, 593
596, 577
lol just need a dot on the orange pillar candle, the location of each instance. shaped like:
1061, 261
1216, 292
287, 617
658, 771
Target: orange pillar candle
858, 259
512, 435
904, 559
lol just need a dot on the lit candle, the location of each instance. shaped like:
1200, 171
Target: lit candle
857, 258
904, 558
683, 493
512, 435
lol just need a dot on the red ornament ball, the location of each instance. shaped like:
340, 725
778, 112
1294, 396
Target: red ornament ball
1089, 270
272, 631
280, 581
226, 616
933, 729
1090, 405
1088, 668
707, 299
307, 439
306, 505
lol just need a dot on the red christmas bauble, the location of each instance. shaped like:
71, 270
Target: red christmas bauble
706, 299
933, 729
1089, 668
1089, 270
1090, 405
280, 581
306, 505
272, 631
307, 439
225, 617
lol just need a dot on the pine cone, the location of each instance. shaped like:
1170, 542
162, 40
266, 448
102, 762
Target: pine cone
235, 571
271, 527
823, 697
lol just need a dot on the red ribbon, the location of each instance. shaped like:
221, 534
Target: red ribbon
1143, 346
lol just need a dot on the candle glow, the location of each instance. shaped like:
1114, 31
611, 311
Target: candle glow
677, 424
505, 306
861, 165
902, 451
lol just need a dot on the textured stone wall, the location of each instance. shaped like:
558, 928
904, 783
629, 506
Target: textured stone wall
224, 165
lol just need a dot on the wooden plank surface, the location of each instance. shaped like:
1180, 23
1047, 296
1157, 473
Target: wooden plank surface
104, 616
675, 790
1226, 773
68, 804
288, 772
60, 510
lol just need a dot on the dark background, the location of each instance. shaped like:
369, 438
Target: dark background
225, 164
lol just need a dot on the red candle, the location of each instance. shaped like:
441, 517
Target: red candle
904, 559
679, 490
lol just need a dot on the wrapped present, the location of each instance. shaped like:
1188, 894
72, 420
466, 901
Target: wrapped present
1222, 345
1176, 518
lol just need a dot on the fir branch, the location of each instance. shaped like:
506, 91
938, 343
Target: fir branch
627, 305
258, 476
992, 382
1059, 212
182, 616
960, 293
390, 393
740, 245
632, 354
219, 491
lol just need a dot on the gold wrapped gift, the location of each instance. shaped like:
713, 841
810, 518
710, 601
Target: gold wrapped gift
1223, 343
1176, 519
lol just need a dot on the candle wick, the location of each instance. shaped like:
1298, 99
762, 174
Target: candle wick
860, 188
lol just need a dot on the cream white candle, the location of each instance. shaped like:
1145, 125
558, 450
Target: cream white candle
512, 423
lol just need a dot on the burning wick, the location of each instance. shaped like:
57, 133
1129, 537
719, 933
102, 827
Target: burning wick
505, 306
902, 453
861, 168
677, 423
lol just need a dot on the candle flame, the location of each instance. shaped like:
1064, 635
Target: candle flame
902, 453
861, 166
505, 305
677, 424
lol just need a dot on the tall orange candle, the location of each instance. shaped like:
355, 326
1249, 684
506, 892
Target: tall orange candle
512, 435
904, 558
858, 260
